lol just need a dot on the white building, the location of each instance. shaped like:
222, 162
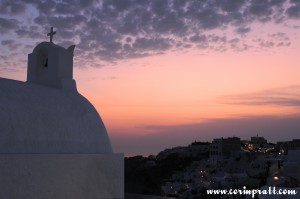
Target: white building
53, 143
257, 142
222, 148
291, 168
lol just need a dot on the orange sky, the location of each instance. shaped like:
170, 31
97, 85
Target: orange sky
185, 87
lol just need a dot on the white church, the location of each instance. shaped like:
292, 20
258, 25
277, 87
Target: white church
53, 143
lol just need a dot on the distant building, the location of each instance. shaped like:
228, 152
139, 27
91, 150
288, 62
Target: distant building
259, 141
294, 144
284, 146
292, 168
222, 148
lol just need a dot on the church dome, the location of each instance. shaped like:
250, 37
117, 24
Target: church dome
41, 119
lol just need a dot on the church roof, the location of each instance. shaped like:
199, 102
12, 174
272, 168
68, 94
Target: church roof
46, 44
41, 119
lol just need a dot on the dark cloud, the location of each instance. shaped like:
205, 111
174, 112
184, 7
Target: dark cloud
7, 42
7, 24
243, 30
294, 11
232, 6
158, 44
24, 32
72, 6
198, 38
46, 7
234, 41
280, 44
61, 22
11, 7
287, 96
123, 29
279, 36
260, 8
11, 44
277, 2
217, 39
279, 39
266, 44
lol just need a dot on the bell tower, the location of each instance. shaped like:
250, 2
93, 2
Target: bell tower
51, 65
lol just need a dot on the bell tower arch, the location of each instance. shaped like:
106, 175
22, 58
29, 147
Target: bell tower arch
51, 65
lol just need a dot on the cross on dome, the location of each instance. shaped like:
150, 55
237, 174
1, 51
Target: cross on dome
51, 33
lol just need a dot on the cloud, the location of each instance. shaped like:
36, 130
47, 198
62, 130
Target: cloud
243, 30
161, 137
286, 96
154, 27
12, 7
274, 40
110, 78
294, 11
11, 44
8, 24
266, 44
158, 44
25, 32
232, 6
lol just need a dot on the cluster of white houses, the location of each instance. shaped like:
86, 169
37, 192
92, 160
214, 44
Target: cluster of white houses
236, 163
221, 148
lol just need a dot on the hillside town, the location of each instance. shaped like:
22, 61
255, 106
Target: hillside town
225, 163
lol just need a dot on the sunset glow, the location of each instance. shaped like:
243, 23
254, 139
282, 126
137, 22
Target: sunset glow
234, 70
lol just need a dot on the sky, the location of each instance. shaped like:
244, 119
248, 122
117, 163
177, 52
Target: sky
165, 73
